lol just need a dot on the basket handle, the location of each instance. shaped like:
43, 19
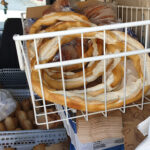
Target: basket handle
19, 53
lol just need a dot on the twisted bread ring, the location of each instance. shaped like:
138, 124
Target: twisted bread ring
52, 83
56, 27
53, 18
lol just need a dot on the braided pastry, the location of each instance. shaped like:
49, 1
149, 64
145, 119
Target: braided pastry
73, 74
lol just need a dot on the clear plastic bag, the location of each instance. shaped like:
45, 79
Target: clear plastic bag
27, 24
7, 104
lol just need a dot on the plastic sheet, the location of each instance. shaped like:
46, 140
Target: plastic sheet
7, 104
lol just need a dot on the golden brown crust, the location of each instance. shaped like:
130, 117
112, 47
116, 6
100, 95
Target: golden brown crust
10, 124
18, 129
52, 18
9, 148
2, 127
16, 121
39, 147
55, 27
79, 104
88, 69
118, 75
76, 83
21, 115
30, 115
26, 125
26, 105
18, 106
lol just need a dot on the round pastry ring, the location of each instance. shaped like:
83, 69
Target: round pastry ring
94, 105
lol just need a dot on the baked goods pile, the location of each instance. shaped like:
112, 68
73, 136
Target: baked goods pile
97, 12
60, 146
48, 51
23, 118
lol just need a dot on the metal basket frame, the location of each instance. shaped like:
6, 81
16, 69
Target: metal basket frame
133, 24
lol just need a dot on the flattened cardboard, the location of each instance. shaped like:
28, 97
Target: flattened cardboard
98, 127
36, 12
130, 120
132, 117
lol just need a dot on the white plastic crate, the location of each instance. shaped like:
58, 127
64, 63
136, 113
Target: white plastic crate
26, 139
126, 14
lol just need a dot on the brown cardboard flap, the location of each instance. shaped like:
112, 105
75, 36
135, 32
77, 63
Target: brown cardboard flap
36, 12
132, 117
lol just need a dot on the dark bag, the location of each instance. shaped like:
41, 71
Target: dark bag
8, 54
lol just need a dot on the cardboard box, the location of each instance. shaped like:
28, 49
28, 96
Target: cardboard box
132, 117
94, 133
36, 12
99, 128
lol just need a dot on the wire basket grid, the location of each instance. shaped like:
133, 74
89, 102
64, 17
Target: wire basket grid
126, 13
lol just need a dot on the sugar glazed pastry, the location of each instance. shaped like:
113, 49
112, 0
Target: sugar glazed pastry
48, 49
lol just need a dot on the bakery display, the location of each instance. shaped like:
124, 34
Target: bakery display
2, 127
9, 148
10, 124
23, 118
39, 147
60, 146
48, 49
26, 105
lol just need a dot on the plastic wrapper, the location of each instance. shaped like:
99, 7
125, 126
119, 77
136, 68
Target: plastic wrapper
7, 104
27, 24
71, 50
96, 11
59, 5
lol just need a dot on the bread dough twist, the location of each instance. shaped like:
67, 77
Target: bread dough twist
115, 43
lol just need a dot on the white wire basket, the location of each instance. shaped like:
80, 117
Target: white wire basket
27, 139
130, 15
